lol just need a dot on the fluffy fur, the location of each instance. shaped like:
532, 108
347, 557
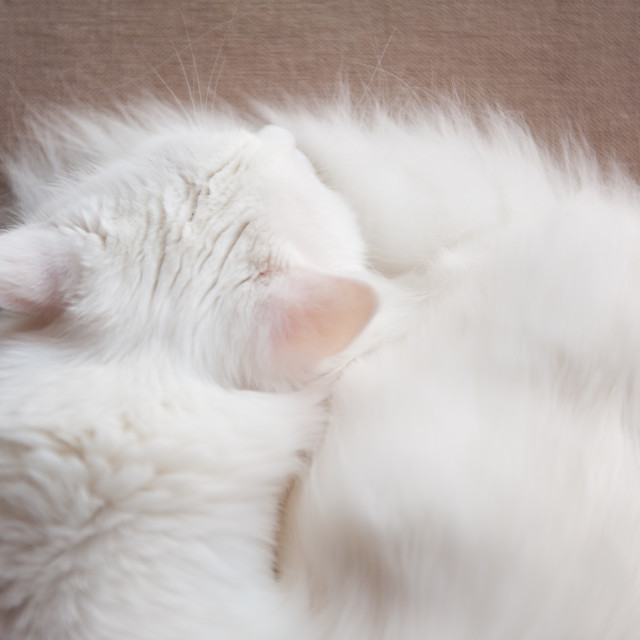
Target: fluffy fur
480, 478
478, 470
163, 265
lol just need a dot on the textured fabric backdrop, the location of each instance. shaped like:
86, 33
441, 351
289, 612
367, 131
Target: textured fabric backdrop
555, 61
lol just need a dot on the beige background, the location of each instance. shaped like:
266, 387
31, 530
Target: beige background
555, 61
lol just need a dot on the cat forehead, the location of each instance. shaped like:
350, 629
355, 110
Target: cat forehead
194, 180
172, 164
202, 155
199, 150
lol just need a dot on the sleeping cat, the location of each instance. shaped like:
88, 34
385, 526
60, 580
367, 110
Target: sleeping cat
469, 402
165, 270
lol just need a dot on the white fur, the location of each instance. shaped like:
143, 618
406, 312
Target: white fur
479, 474
162, 265
142, 508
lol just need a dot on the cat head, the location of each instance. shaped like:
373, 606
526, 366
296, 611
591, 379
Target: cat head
190, 243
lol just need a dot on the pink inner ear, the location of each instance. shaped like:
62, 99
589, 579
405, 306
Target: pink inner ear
322, 317
35, 269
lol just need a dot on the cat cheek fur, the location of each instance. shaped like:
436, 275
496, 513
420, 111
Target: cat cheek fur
38, 268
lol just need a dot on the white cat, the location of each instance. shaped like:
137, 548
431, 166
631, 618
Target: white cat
163, 263
481, 475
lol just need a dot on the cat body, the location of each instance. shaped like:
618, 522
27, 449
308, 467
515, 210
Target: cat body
134, 509
480, 477
474, 447
474, 484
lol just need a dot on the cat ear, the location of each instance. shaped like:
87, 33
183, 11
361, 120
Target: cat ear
318, 315
37, 265
280, 137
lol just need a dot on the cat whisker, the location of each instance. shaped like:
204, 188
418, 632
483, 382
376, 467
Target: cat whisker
193, 57
167, 59
215, 63
186, 78
34, 113
376, 68
170, 90
215, 87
